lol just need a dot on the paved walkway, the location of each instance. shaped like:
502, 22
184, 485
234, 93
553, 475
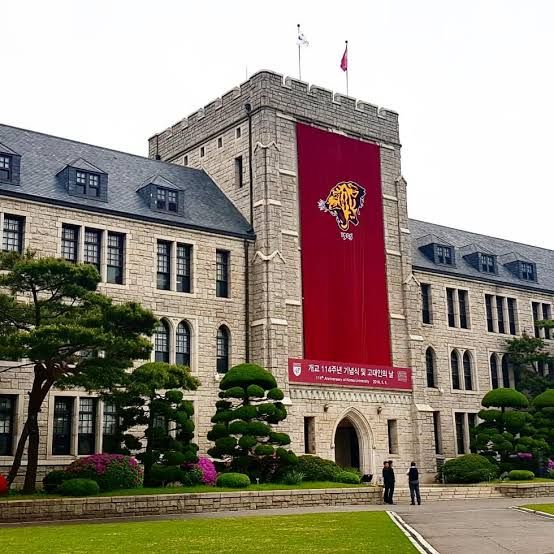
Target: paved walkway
451, 527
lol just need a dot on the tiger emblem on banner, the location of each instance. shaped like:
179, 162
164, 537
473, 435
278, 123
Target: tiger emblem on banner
344, 201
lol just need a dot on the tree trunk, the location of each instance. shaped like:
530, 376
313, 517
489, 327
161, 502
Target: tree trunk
32, 455
18, 453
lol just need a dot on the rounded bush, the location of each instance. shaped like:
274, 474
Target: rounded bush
264, 450
226, 444
258, 428
255, 391
292, 477
223, 404
79, 487
490, 415
238, 427
174, 396
233, 480
217, 431
245, 412
110, 471
161, 475
544, 400
235, 392
223, 416
248, 374
174, 458
279, 438
191, 477
471, 468
347, 477
521, 475
53, 480
317, 469
504, 398
266, 409
247, 441
287, 457
515, 421
275, 394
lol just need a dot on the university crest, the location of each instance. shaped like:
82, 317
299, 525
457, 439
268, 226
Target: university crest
344, 201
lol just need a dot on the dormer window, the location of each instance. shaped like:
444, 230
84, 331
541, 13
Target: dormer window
488, 263
527, 271
5, 167
444, 255
87, 184
166, 200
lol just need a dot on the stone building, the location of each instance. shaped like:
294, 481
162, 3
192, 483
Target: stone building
207, 233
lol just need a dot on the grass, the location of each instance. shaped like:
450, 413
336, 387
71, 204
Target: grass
308, 533
547, 508
196, 489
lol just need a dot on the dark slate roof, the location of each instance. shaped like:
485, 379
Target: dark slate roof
505, 250
43, 156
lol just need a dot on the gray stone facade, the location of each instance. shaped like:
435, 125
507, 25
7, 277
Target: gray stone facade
268, 331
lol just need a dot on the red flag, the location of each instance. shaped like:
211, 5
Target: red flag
344, 60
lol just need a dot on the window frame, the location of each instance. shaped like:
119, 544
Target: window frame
120, 253
70, 244
223, 359
493, 371
88, 245
183, 281
8, 420
158, 340
222, 286
444, 255
426, 304
88, 183
392, 436
69, 401
82, 437
431, 368
162, 200
13, 236
6, 164
163, 262
187, 342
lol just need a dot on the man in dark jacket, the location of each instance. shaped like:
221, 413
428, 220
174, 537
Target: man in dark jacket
413, 482
388, 482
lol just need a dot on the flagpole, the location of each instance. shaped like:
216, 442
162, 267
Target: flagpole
347, 64
299, 46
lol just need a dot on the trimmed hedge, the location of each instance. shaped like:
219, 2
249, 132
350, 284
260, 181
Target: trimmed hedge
79, 487
248, 373
347, 477
471, 468
53, 480
504, 398
315, 468
521, 475
233, 480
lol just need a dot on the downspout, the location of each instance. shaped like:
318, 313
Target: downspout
248, 109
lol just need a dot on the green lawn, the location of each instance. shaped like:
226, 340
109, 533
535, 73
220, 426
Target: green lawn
198, 488
548, 508
321, 533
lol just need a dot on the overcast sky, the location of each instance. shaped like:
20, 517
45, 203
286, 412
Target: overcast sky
472, 82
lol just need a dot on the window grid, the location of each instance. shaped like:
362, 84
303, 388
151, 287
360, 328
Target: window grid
115, 258
164, 265
450, 307
463, 303
444, 255
70, 243
426, 303
5, 167
183, 267
161, 342
12, 240
455, 370
494, 371
488, 306
7, 419
87, 426
222, 350
527, 271
61, 435
110, 425
487, 263
506, 371
222, 273
460, 432
91, 254
87, 183
182, 344
546, 315
430, 367
468, 377
512, 310
500, 314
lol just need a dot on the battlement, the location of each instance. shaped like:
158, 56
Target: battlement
298, 99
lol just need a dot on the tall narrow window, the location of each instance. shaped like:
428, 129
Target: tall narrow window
222, 273
87, 426
61, 433
464, 311
488, 307
184, 256
500, 313
115, 258
392, 428
546, 315
494, 371
110, 429
506, 371
460, 433
455, 369
91, 255
7, 421
471, 420
426, 303
164, 265
309, 435
222, 349
70, 242
12, 240
450, 306
161, 342
512, 311
468, 373
182, 344
437, 432
536, 317
239, 176
430, 367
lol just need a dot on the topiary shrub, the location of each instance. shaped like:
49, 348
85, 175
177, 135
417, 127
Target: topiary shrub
504, 398
544, 400
315, 468
79, 487
110, 471
161, 475
292, 477
347, 477
191, 477
471, 468
233, 480
243, 432
521, 475
53, 480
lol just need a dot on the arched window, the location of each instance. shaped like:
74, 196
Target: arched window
494, 371
430, 367
182, 344
161, 342
468, 373
455, 369
505, 371
222, 352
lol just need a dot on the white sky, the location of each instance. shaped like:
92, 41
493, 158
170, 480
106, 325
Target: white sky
472, 81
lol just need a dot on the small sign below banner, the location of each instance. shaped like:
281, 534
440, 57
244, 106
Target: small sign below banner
317, 372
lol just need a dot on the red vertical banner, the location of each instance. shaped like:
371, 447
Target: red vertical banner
344, 277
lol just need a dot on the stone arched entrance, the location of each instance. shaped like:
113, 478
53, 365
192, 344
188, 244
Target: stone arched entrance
347, 445
353, 441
